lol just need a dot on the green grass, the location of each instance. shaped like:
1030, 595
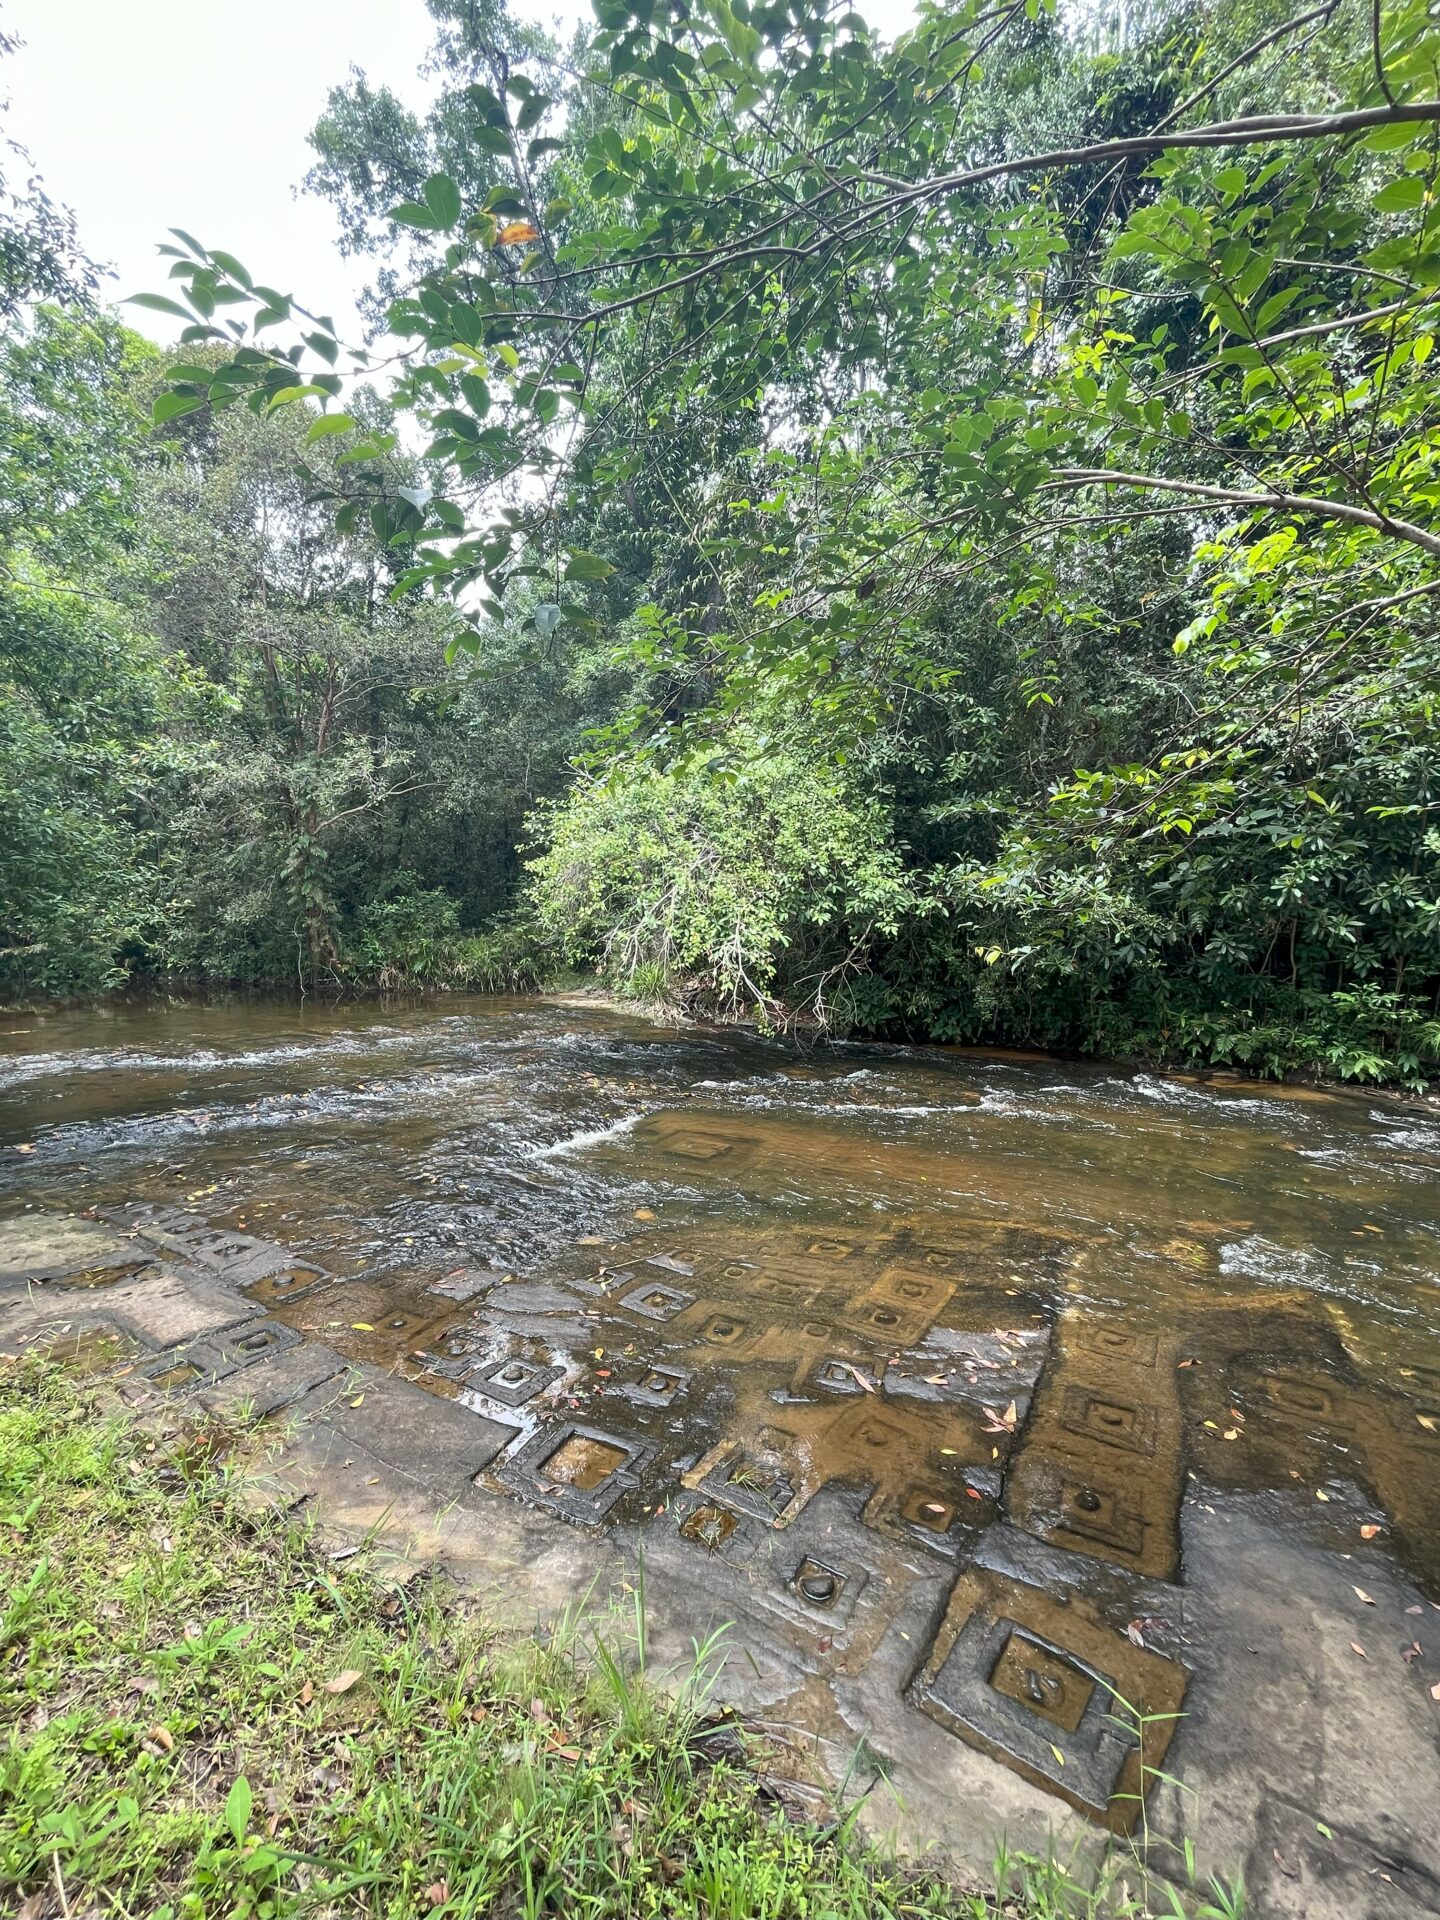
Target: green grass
205, 1716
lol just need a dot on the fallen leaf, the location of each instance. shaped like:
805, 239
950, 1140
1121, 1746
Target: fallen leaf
1369, 1533
361, 1326
1412, 1653
1361, 1594
358, 1401
1355, 1647
1435, 1691
28, 1147
643, 1213
868, 1385
1320, 1494
342, 1682
1231, 1433
1430, 1423
307, 1694
1134, 1635
161, 1737
438, 1892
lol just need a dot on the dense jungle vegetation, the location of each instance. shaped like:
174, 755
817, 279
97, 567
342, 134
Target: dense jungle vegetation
935, 538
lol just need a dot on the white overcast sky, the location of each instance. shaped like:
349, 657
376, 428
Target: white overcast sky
147, 114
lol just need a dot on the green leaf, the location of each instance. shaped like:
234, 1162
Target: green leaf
410, 214
285, 395
442, 197
477, 394
157, 303
169, 406
587, 566
238, 1803
1401, 196
327, 424
232, 266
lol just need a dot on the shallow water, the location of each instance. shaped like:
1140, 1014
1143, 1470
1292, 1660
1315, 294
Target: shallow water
969, 1287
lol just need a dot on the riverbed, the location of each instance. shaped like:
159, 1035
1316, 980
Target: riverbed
1027, 1341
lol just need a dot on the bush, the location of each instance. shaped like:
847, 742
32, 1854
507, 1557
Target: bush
760, 891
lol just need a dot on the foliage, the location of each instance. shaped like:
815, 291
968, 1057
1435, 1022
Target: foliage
1020, 439
766, 885
1085, 452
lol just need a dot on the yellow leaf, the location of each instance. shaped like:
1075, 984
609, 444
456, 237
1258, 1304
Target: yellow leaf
1057, 1753
517, 233
1429, 1422
358, 1401
1320, 1494
361, 1326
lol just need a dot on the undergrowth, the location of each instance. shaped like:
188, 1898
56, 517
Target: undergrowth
205, 1715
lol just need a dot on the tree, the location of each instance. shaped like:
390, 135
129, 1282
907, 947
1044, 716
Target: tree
903, 331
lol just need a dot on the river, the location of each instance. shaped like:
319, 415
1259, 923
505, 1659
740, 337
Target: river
1077, 1302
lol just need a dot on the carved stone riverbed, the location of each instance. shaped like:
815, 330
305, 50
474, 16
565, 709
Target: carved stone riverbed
1034, 1426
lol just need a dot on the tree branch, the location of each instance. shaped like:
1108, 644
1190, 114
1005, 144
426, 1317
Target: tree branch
1068, 478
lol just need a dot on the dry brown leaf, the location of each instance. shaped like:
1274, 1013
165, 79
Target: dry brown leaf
342, 1682
1360, 1594
307, 1694
161, 1736
1435, 1691
28, 1147
1355, 1647
1369, 1533
438, 1892
641, 1213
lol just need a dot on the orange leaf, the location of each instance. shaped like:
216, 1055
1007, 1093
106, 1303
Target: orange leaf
515, 233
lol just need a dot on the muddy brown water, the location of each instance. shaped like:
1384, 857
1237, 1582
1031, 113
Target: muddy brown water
974, 1289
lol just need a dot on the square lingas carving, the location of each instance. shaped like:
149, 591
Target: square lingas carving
1115, 1422
258, 1340
512, 1382
879, 1319
576, 1471
1039, 1682
1117, 1343
913, 1292
654, 1386
654, 1300
751, 1480
703, 1146
290, 1283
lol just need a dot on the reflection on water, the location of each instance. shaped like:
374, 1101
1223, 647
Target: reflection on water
698, 1280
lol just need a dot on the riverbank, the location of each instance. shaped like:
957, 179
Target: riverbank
211, 1715
1413, 1080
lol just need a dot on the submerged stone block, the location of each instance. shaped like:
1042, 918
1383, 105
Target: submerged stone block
1099, 1466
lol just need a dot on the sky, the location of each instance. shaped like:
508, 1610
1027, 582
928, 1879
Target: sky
143, 115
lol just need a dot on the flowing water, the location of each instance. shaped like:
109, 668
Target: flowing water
977, 1290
